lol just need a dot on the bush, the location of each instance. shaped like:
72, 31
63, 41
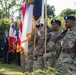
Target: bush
48, 71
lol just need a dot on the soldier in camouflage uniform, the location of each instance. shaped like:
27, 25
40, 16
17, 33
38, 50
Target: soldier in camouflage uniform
27, 62
22, 60
38, 53
53, 53
29, 58
68, 43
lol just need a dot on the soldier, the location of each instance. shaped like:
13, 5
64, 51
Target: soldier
29, 58
5, 47
27, 62
68, 42
38, 53
22, 61
52, 55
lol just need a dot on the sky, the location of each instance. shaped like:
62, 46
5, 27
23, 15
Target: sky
61, 5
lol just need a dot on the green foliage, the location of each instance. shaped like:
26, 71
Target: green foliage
59, 18
50, 11
4, 24
32, 1
59, 70
18, 22
48, 71
68, 11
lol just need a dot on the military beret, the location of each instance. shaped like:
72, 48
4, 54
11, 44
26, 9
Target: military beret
39, 25
69, 18
56, 21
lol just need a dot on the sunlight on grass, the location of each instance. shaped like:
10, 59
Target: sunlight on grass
2, 70
11, 69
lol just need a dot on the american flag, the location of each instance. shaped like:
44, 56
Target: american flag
26, 28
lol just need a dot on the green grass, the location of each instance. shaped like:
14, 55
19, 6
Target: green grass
10, 69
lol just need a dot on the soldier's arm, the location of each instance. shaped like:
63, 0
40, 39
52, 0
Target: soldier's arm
68, 42
57, 38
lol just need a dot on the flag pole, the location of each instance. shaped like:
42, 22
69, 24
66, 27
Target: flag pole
45, 30
45, 23
36, 16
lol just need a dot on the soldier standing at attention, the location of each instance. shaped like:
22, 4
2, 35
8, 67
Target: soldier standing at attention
38, 62
29, 58
27, 61
22, 61
52, 54
68, 43
5, 47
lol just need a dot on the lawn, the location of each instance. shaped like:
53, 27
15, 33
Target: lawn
10, 69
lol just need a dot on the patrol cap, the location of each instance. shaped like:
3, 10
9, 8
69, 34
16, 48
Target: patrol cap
39, 25
56, 21
69, 18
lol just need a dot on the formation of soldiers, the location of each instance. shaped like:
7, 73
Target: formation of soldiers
60, 46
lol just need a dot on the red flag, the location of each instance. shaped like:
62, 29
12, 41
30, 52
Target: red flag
12, 37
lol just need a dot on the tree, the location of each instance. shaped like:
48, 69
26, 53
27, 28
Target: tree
50, 11
4, 24
68, 11
9, 7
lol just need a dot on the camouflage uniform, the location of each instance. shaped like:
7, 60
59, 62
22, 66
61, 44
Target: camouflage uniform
68, 44
22, 60
27, 62
29, 58
52, 53
38, 59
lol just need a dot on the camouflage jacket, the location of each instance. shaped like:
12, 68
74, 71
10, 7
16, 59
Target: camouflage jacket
68, 42
50, 52
53, 34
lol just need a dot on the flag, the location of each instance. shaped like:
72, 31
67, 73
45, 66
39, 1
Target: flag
20, 27
26, 26
38, 15
12, 37
37, 10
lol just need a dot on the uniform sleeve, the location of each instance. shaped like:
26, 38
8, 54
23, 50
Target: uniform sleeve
69, 40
